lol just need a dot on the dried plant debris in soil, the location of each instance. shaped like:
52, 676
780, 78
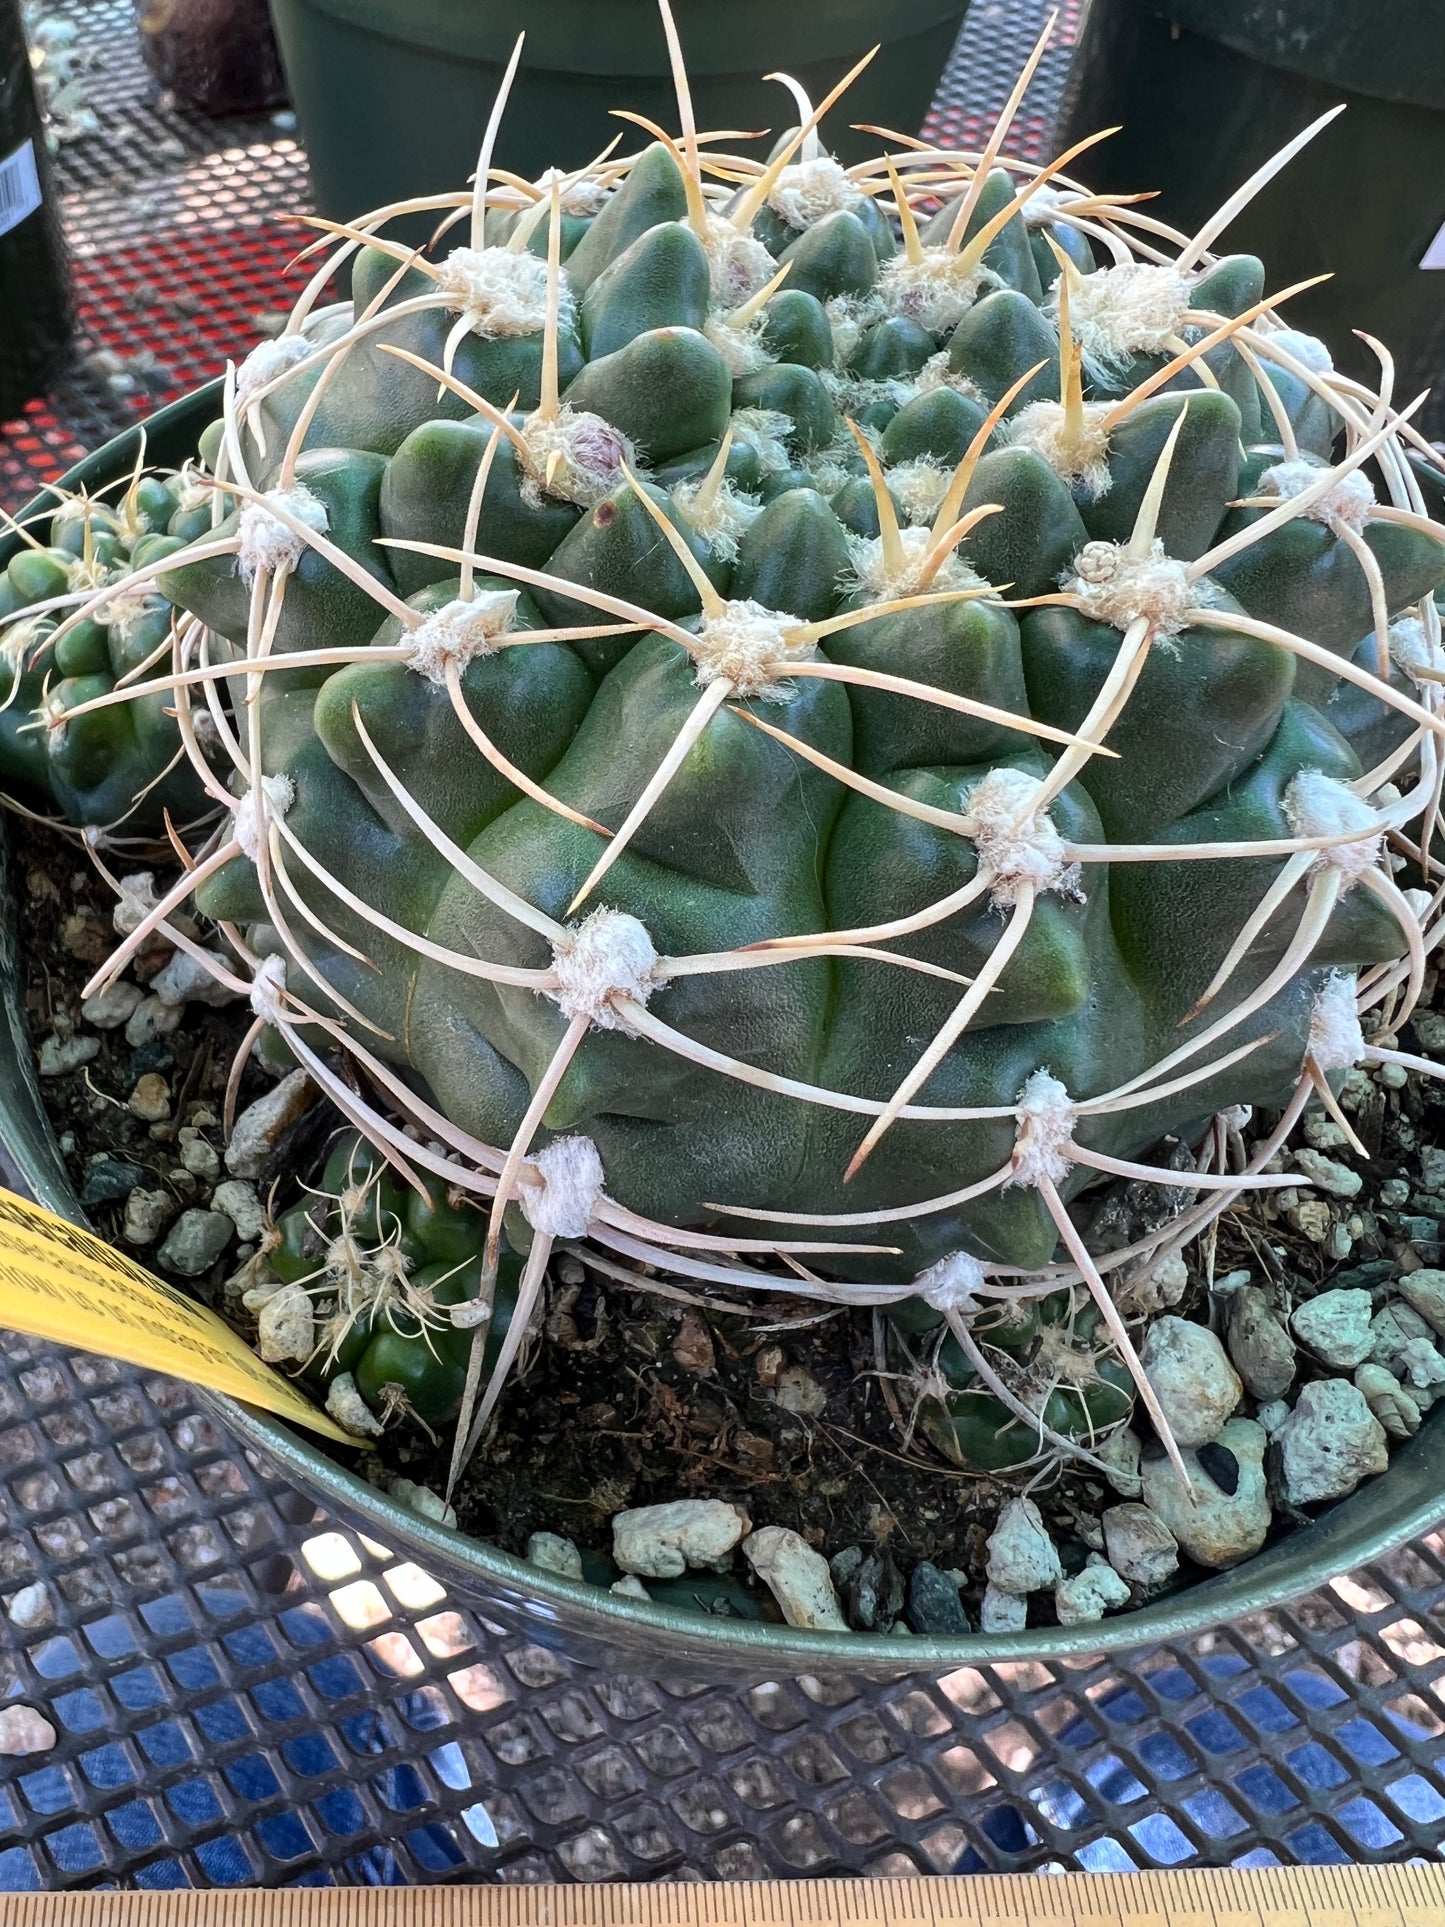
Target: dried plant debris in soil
628, 1400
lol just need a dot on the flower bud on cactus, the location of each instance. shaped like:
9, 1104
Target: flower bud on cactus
788, 736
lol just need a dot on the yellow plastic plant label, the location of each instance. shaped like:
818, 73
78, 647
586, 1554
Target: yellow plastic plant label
60, 1282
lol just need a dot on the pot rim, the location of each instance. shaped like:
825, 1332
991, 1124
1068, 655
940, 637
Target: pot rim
589, 41
1353, 1533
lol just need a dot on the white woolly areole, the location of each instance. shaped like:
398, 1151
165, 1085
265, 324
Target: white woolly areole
267, 360
740, 265
1336, 1041
1045, 1119
1135, 309
880, 581
584, 196
765, 431
740, 347
131, 602
590, 456
919, 487
852, 395
460, 631
606, 957
501, 293
1041, 207
809, 191
849, 317
1412, 651
936, 373
748, 645
952, 1284
278, 793
1347, 505
52, 712
1308, 350
1115, 587
1017, 844
1320, 805
561, 1206
722, 519
1081, 458
266, 987
264, 541
936, 291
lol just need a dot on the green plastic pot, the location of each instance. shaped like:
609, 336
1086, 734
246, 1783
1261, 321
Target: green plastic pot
393, 95
1204, 91
586, 1622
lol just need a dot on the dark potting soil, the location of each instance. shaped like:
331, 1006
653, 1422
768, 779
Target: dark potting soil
627, 1398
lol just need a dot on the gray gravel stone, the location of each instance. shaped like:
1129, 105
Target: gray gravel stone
1424, 1292
1088, 1595
1387, 1398
285, 1325
1140, 1547
58, 1056
1219, 1528
262, 1125
195, 1241
1192, 1378
933, 1604
109, 1008
185, 980
1120, 1453
1261, 1349
1336, 1180
797, 1577
552, 1553
150, 1020
1329, 1442
1002, 1612
1421, 1364
350, 1410
108, 1180
423, 1501
147, 1213
1335, 1326
1393, 1327
662, 1541
198, 1154
238, 1200
1021, 1556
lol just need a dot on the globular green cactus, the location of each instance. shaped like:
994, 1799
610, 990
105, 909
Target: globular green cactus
366, 1288
123, 768
791, 713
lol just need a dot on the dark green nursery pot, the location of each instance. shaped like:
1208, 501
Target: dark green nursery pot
393, 95
587, 1622
1205, 91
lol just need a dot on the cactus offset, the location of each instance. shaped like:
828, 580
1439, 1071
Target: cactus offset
786, 736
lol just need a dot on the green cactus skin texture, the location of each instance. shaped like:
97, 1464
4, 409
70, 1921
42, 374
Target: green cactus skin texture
384, 1265
786, 738
122, 765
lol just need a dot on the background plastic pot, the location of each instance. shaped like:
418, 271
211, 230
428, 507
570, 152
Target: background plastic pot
1205, 90
393, 95
587, 1622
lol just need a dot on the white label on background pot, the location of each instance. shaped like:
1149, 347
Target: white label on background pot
1434, 255
19, 186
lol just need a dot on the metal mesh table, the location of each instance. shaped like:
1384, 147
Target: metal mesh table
245, 1692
